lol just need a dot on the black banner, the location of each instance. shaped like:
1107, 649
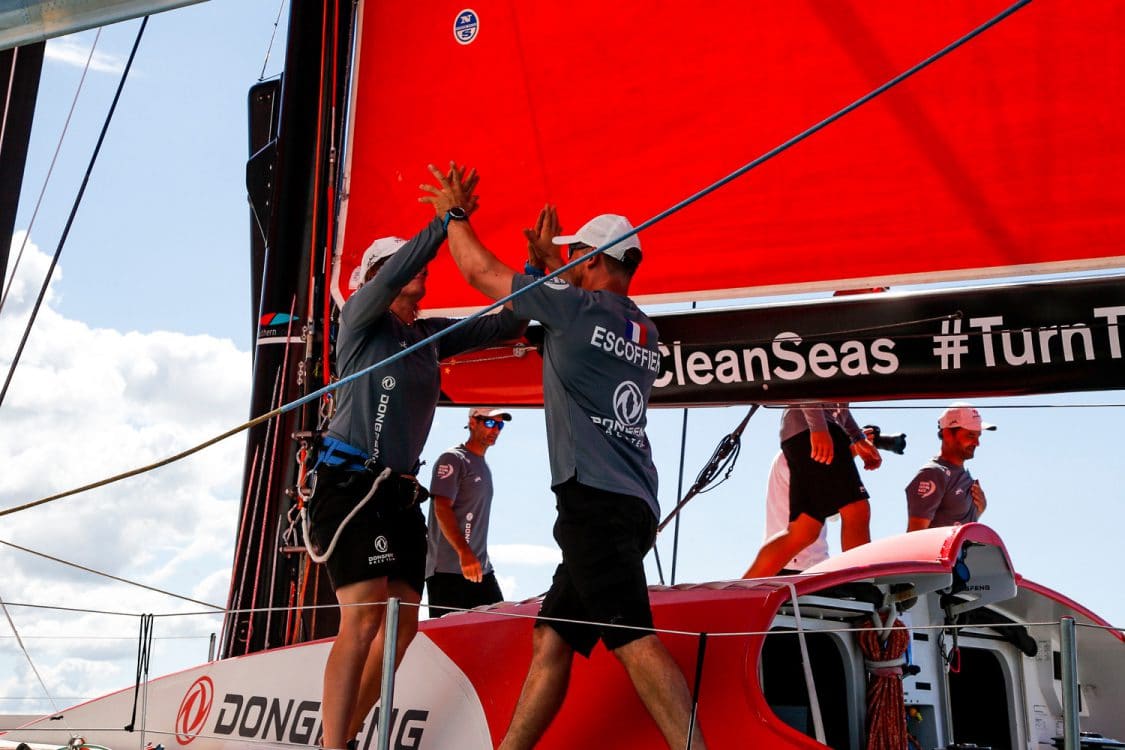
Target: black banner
1043, 337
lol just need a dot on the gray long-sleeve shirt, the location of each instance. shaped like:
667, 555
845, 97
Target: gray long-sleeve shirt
388, 413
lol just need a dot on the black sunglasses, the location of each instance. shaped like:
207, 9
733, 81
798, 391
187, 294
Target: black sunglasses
491, 423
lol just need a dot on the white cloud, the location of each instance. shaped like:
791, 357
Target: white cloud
84, 404
75, 51
524, 554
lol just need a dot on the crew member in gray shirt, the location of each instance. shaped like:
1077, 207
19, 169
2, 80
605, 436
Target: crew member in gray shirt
459, 574
943, 493
599, 363
363, 514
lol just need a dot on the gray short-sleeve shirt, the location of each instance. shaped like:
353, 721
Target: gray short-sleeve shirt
464, 478
599, 363
942, 493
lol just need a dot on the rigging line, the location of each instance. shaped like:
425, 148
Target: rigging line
273, 35
73, 212
542, 280
30, 661
50, 168
108, 575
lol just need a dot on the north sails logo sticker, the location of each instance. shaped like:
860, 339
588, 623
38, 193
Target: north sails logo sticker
628, 403
194, 710
466, 26
389, 383
381, 544
444, 471
926, 488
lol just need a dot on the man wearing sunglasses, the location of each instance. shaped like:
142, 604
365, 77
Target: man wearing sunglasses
459, 574
600, 359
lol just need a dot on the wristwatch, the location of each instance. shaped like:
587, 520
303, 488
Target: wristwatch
454, 214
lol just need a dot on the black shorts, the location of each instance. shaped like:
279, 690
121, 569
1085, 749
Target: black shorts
454, 590
604, 537
820, 490
381, 541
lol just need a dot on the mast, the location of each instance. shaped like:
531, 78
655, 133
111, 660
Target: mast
294, 123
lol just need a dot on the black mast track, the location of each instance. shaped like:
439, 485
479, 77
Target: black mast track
293, 123
19, 89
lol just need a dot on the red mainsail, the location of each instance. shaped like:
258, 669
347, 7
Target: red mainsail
1003, 158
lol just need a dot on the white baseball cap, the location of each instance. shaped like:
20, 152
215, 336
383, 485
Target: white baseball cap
486, 412
602, 229
965, 416
384, 247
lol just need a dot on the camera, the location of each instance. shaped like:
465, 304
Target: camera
894, 442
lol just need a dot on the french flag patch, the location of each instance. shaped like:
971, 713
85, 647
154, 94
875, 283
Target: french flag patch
635, 332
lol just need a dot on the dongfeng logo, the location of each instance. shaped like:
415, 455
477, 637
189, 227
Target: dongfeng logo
194, 710
556, 283
381, 544
389, 383
628, 403
466, 26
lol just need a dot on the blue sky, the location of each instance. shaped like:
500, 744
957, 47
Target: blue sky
143, 349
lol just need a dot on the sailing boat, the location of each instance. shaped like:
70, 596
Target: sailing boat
820, 222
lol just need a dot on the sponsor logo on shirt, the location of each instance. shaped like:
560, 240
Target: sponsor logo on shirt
624, 348
556, 283
628, 402
926, 488
628, 409
444, 471
389, 383
380, 419
381, 544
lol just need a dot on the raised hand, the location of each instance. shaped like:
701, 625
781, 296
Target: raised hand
457, 187
542, 253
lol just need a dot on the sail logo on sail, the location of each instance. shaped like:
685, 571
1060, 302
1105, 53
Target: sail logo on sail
466, 26
194, 710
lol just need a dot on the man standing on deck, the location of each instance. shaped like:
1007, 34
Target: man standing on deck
943, 493
364, 518
819, 441
600, 360
458, 571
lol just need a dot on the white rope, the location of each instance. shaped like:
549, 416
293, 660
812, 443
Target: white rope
319, 558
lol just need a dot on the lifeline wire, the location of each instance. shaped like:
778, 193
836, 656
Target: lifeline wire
50, 169
30, 663
542, 280
73, 211
109, 576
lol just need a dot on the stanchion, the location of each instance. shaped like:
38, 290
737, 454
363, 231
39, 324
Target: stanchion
1069, 644
390, 647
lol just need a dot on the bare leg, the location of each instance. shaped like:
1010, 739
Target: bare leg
359, 626
662, 688
784, 546
855, 526
371, 684
543, 690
